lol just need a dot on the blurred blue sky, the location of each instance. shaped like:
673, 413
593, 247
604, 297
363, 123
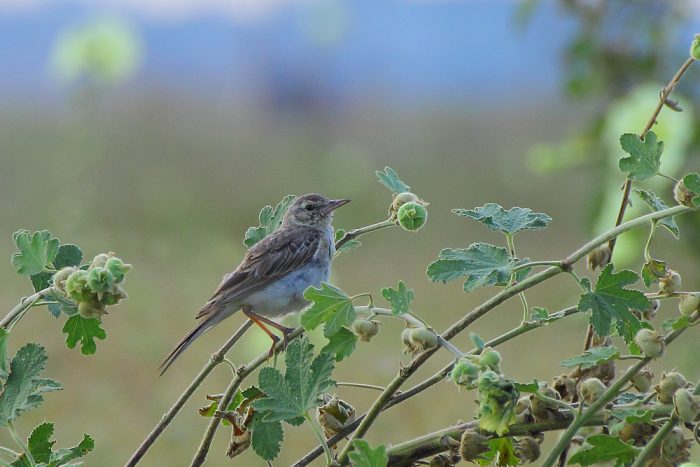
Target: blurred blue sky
401, 49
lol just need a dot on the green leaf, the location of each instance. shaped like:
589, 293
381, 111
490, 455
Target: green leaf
692, 183
541, 315
84, 330
331, 306
267, 437
341, 344
364, 456
41, 447
482, 264
500, 449
41, 280
40, 444
23, 387
290, 397
391, 180
674, 324
270, 220
611, 303
477, 340
592, 357
644, 157
350, 245
400, 298
509, 221
600, 448
63, 456
3, 353
36, 251
211, 409
652, 271
657, 204
529, 388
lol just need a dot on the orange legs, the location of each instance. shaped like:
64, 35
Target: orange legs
261, 321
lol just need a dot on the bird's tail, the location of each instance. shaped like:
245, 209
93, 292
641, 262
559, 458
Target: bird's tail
203, 326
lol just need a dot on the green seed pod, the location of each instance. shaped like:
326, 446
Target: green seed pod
682, 194
334, 415
695, 48
91, 309
527, 449
365, 329
490, 359
77, 287
403, 198
689, 303
650, 342
412, 216
670, 282
687, 405
675, 447
100, 279
465, 373
599, 257
100, 260
565, 386
670, 383
423, 339
60, 278
590, 390
472, 445
642, 380
117, 267
113, 297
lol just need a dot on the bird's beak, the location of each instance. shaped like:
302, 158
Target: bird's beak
336, 203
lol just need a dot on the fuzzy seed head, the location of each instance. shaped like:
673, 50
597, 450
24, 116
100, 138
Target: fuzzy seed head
689, 303
590, 390
670, 282
642, 380
650, 342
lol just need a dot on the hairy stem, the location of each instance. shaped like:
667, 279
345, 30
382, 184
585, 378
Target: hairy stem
23, 305
20, 443
168, 417
318, 431
481, 310
354, 233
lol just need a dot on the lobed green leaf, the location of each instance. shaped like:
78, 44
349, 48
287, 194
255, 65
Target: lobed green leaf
601, 448
644, 158
657, 204
341, 344
270, 220
267, 437
331, 306
391, 180
592, 357
692, 183
400, 298
36, 251
85, 331
364, 456
510, 221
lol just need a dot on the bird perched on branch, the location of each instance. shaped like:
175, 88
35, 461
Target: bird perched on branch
271, 280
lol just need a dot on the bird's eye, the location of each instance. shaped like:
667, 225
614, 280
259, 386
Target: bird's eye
309, 207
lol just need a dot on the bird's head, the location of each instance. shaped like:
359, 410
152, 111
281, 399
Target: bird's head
312, 210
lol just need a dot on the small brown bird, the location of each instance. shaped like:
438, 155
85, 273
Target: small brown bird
271, 280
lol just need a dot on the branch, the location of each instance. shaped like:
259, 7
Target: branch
354, 233
241, 374
492, 303
23, 305
168, 417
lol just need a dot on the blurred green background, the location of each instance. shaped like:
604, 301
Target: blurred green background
159, 131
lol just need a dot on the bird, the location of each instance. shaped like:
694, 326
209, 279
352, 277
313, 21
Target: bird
271, 279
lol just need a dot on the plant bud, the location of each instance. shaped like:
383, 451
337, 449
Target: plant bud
670, 383
113, 297
650, 342
650, 313
642, 380
100, 260
670, 282
365, 329
60, 278
334, 415
423, 339
465, 373
117, 267
77, 287
472, 445
695, 48
412, 216
590, 390
682, 194
100, 279
599, 258
527, 449
675, 447
543, 410
637, 432
403, 198
565, 386
91, 309
689, 303
490, 359
687, 405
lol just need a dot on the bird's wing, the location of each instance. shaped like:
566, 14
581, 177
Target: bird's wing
268, 260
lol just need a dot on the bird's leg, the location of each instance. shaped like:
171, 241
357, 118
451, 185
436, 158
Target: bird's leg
259, 320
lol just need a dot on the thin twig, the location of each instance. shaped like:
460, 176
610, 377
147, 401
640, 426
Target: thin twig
354, 233
23, 305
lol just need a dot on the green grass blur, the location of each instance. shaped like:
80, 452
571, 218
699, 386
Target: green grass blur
171, 182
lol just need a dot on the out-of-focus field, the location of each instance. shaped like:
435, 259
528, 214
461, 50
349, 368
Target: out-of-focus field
171, 183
